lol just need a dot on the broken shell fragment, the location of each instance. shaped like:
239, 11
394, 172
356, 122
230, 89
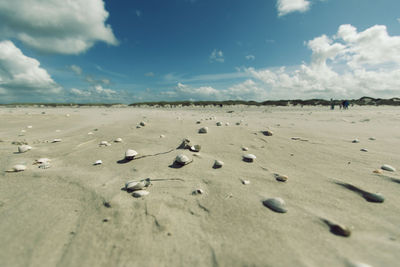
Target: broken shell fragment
104, 143
195, 148
203, 130
24, 148
249, 157
41, 161
140, 193
387, 167
276, 204
218, 164
182, 159
130, 154
135, 185
98, 162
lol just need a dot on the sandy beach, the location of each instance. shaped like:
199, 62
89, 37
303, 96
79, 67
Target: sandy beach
75, 213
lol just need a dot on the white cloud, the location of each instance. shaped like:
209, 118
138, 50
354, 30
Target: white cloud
76, 69
22, 76
288, 6
217, 55
66, 27
100, 90
250, 57
80, 92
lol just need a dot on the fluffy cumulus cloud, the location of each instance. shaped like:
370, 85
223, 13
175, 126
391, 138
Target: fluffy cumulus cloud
217, 56
288, 6
66, 27
21, 75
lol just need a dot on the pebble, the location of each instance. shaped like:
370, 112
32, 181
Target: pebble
372, 138
378, 171
218, 164
276, 204
226, 123
387, 167
162, 136
337, 229
142, 123
281, 178
245, 148
203, 130
104, 143
140, 193
249, 157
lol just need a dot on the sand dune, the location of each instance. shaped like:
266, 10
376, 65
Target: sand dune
78, 214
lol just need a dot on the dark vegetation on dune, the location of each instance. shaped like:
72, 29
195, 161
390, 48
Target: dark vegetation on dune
363, 101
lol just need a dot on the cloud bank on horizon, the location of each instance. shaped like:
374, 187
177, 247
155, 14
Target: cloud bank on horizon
347, 64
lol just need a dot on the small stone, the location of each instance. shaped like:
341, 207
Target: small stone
276, 204
182, 159
140, 193
372, 138
56, 140
203, 130
341, 230
104, 143
218, 164
387, 167
226, 123
162, 136
142, 123
249, 157
198, 122
268, 133
281, 178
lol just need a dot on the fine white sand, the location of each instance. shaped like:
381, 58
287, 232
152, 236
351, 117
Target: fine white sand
57, 216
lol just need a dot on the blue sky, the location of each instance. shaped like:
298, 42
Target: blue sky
130, 51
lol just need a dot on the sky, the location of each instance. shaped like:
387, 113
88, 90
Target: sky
95, 51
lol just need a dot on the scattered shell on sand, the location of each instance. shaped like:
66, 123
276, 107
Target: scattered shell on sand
195, 148
98, 162
24, 148
198, 122
249, 157
56, 140
138, 126
372, 138
41, 161
364, 150
357, 264
130, 154
104, 143
89, 133
137, 185
198, 192
378, 171
29, 126
245, 148
203, 130
276, 204
268, 133
355, 141
142, 123
218, 164
337, 229
182, 159
162, 136
118, 140
245, 182
387, 167
17, 168
140, 193
23, 131
281, 178
226, 123
185, 144
370, 197
219, 123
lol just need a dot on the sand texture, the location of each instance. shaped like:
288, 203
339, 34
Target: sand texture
79, 214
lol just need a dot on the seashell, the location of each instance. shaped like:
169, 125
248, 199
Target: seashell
89, 133
162, 136
198, 122
138, 126
226, 123
355, 141
364, 150
238, 123
378, 171
142, 123
104, 143
198, 192
281, 178
98, 162
56, 140
29, 126
41, 161
245, 148
195, 148
337, 229
140, 193
44, 165
182, 159
372, 138
24, 148
118, 140
387, 167
57, 131
276, 204
130, 154
371, 197
249, 157
135, 185
218, 164
23, 131
268, 133
203, 130
17, 168
245, 182
67, 115
219, 123
357, 264
185, 144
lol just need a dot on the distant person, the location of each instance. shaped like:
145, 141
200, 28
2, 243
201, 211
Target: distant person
346, 104
332, 104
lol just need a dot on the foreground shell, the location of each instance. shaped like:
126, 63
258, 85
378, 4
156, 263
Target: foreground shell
276, 204
130, 154
203, 130
387, 167
17, 168
140, 193
195, 148
135, 185
24, 148
182, 159
118, 140
249, 157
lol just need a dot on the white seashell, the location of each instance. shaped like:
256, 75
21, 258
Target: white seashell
249, 157
104, 143
24, 148
219, 123
388, 168
162, 136
29, 126
364, 150
195, 148
203, 130
218, 164
118, 140
98, 162
182, 159
226, 123
355, 141
89, 133
245, 148
18, 168
276, 204
140, 193
245, 182
41, 161
56, 140
23, 131
130, 154
135, 185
